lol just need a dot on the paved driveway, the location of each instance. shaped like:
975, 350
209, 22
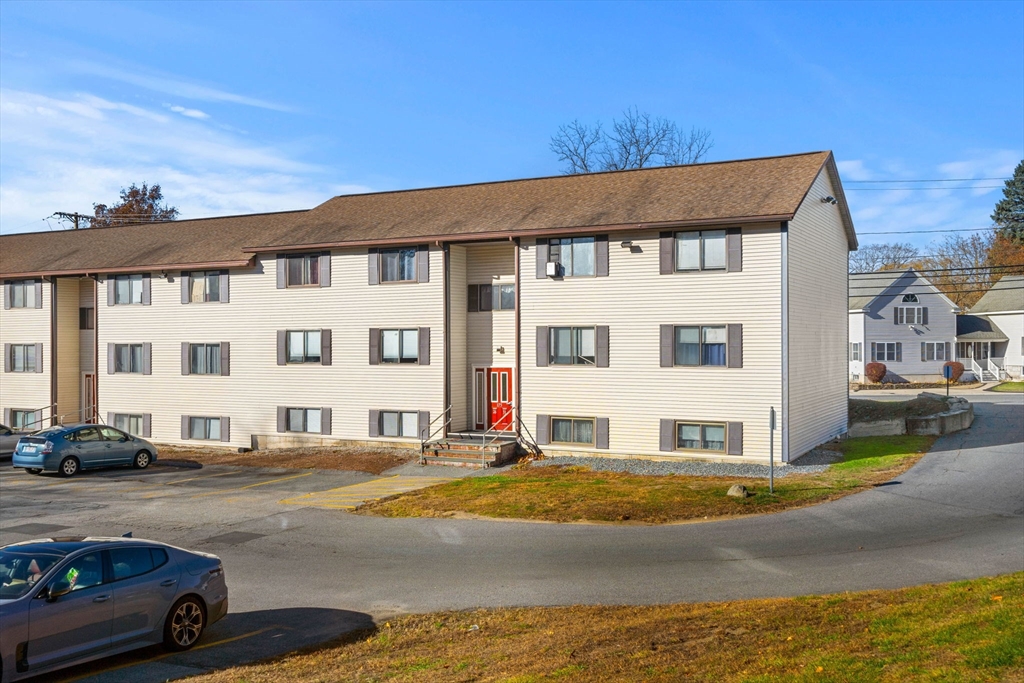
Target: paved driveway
298, 573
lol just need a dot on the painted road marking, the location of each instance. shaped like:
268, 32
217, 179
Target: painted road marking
252, 486
350, 497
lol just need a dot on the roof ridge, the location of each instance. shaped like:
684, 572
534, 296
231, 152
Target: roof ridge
173, 221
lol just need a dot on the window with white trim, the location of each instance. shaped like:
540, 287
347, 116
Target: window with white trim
303, 270
204, 285
573, 430
933, 351
23, 294
398, 265
399, 424
701, 250
128, 289
855, 351
400, 346
23, 358
204, 359
128, 358
128, 423
700, 345
304, 420
573, 346
887, 352
204, 428
699, 436
576, 256
909, 315
303, 346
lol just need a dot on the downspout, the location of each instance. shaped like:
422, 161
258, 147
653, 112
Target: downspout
784, 296
95, 398
53, 351
517, 402
446, 257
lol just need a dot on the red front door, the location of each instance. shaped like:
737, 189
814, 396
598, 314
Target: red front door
499, 382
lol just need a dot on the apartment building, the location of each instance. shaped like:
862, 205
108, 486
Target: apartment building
657, 312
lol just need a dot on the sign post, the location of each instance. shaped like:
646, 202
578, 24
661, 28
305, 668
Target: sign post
771, 450
947, 372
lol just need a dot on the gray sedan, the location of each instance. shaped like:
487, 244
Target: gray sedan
71, 600
69, 449
8, 440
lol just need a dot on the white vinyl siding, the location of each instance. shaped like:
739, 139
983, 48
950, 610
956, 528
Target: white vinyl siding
27, 390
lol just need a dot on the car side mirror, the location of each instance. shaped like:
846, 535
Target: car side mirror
57, 589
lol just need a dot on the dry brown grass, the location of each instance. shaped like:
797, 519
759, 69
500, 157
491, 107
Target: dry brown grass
372, 460
968, 631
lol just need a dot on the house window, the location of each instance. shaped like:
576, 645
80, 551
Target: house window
129, 423
398, 265
400, 346
86, 318
23, 358
205, 286
694, 436
304, 420
491, 298
575, 255
910, 298
909, 315
128, 289
128, 358
573, 346
22, 419
304, 346
933, 351
700, 250
23, 294
574, 430
399, 424
204, 359
855, 351
204, 428
700, 345
887, 352
303, 270
964, 349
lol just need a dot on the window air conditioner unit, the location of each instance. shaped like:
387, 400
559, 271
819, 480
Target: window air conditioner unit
552, 269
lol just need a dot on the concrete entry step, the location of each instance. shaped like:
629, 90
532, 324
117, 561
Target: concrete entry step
459, 451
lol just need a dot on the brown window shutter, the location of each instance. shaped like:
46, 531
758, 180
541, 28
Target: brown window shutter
543, 425
147, 358
424, 351
423, 425
282, 419
486, 297
184, 428
734, 250
39, 357
374, 346
111, 361
373, 266
39, 293
601, 339
7, 365
472, 298
225, 358
542, 347
225, 428
282, 347
147, 290
186, 286
186, 358
601, 433
924, 315
225, 287
7, 307
734, 434
667, 435
282, 271
666, 345
325, 421
147, 425
326, 350
110, 290
601, 255
734, 348
542, 258
924, 351
423, 263
374, 423
325, 269
666, 253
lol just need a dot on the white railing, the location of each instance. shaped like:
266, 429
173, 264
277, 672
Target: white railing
976, 369
996, 369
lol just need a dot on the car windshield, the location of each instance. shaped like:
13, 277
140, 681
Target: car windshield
20, 571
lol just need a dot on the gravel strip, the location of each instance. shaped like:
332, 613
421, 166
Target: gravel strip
815, 461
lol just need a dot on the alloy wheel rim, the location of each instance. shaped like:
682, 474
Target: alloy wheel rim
142, 459
70, 467
187, 624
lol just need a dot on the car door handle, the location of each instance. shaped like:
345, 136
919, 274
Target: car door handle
168, 582
101, 598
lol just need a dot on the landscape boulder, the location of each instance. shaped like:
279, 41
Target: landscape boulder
738, 491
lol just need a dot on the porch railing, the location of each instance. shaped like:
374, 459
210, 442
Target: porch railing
84, 412
996, 368
34, 425
427, 436
976, 369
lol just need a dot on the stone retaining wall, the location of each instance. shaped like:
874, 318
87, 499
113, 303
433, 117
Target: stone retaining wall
959, 416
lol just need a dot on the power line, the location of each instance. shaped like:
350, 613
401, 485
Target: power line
907, 189
908, 232
927, 180
893, 271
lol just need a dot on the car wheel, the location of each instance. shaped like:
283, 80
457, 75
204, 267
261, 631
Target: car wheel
68, 467
33, 470
185, 624
142, 459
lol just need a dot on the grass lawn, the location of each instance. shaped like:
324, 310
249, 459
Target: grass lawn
1009, 386
571, 494
967, 631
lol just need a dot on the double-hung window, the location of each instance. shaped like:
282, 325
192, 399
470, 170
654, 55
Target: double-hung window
304, 346
87, 318
400, 346
303, 270
205, 285
128, 289
23, 294
909, 315
393, 423
572, 430
128, 358
700, 345
204, 428
933, 351
23, 358
23, 420
575, 255
701, 250
573, 346
398, 265
695, 436
204, 359
491, 298
855, 351
304, 420
887, 352
128, 423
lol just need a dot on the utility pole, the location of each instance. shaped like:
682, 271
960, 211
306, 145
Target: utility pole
73, 217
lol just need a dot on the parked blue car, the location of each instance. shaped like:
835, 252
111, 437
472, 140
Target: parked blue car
68, 449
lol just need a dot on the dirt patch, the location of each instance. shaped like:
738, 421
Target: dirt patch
862, 410
371, 460
889, 386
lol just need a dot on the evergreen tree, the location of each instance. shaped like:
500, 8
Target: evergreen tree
1009, 213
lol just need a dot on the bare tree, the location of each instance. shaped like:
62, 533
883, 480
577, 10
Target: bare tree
137, 205
637, 140
874, 257
960, 267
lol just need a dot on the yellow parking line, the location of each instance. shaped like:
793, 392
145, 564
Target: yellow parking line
252, 486
205, 476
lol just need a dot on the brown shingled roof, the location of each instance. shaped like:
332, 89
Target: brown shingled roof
767, 189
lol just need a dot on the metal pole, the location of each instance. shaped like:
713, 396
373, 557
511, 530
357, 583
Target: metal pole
771, 450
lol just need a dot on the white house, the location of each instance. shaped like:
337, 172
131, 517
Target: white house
657, 312
990, 341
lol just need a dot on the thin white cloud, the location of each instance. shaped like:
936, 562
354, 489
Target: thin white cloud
191, 113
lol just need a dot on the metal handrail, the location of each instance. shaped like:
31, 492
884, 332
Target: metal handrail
532, 442
60, 420
424, 440
40, 410
483, 437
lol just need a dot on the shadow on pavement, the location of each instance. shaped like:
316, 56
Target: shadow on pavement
238, 638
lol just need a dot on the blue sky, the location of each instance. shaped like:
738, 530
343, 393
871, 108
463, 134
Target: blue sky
245, 107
